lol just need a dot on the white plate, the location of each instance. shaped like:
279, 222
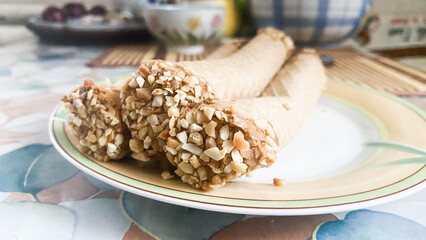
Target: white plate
327, 167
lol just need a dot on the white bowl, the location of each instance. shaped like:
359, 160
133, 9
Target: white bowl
184, 28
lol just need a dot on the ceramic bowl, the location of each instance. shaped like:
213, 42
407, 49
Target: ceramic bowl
184, 28
313, 22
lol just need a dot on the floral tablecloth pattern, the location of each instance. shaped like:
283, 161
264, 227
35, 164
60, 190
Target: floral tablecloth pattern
42, 196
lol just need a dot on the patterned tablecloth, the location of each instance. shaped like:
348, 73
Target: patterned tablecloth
42, 196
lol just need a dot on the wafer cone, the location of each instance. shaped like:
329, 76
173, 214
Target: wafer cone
153, 97
93, 117
225, 140
246, 72
290, 97
284, 85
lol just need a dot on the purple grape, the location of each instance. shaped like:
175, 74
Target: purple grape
74, 10
97, 10
53, 14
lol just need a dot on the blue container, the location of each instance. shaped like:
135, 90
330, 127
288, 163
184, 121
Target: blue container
311, 22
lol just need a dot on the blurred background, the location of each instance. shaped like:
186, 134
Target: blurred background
48, 47
189, 27
376, 25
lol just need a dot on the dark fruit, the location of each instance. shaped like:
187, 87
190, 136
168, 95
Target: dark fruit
74, 10
53, 14
97, 10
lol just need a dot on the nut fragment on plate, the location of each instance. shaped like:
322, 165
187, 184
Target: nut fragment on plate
279, 182
166, 175
93, 116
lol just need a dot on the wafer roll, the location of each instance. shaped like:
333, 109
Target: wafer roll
296, 89
245, 73
93, 116
153, 98
218, 141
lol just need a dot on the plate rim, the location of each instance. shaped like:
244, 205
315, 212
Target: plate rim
250, 209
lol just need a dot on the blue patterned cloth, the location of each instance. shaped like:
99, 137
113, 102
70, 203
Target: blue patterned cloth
312, 21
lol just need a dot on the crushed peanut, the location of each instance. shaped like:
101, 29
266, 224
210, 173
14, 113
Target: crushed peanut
240, 142
279, 182
288, 106
166, 175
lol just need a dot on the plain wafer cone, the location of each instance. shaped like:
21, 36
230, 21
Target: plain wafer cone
290, 97
246, 72
288, 84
